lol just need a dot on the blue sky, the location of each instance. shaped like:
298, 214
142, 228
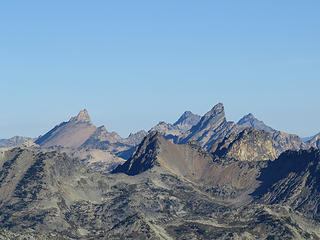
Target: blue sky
134, 63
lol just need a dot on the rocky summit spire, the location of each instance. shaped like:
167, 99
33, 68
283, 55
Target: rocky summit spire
216, 110
210, 120
69, 134
212, 126
82, 116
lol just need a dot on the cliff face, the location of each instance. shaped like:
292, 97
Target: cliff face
293, 179
249, 145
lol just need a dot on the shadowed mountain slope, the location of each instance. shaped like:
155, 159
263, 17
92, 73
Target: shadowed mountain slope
285, 141
183, 160
293, 179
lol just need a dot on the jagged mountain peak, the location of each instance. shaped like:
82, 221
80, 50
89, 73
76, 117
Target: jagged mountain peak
186, 121
217, 109
188, 117
152, 137
216, 114
144, 157
211, 127
102, 128
83, 116
188, 160
135, 138
139, 132
250, 120
168, 130
69, 134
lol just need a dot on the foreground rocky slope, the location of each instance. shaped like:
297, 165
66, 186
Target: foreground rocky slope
49, 192
294, 180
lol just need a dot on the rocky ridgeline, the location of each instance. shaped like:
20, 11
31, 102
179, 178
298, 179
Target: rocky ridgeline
199, 178
79, 134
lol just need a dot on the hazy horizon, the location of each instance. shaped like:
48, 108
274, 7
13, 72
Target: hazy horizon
133, 64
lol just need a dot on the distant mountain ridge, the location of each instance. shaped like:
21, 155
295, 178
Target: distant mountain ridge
250, 121
80, 134
186, 121
314, 141
175, 131
211, 127
14, 141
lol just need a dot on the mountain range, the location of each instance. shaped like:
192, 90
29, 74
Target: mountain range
80, 133
198, 178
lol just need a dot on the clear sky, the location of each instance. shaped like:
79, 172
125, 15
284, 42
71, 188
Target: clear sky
134, 63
